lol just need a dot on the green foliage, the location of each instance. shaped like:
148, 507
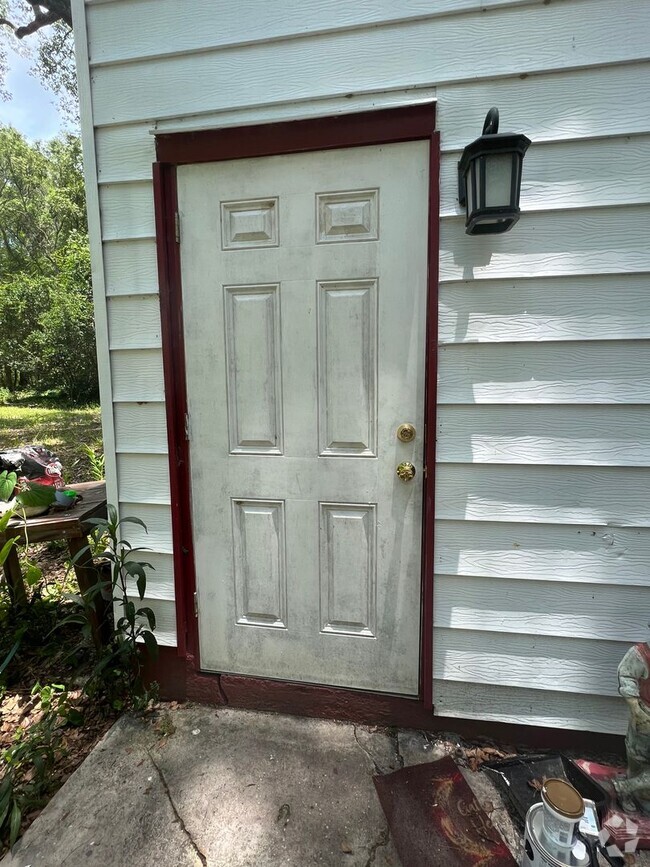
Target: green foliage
29, 760
33, 494
96, 462
118, 671
7, 485
46, 309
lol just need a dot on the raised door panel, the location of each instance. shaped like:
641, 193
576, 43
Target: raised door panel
347, 368
252, 339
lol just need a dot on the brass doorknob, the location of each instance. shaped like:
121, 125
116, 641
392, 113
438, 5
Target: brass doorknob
406, 471
406, 433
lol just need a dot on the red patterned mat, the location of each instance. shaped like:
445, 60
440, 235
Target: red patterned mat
436, 821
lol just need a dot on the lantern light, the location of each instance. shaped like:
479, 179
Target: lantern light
489, 178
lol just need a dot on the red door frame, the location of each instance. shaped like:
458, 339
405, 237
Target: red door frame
390, 126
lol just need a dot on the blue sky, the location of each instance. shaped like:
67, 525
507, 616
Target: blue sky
32, 109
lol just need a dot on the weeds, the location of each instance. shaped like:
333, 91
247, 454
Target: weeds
29, 760
117, 673
96, 462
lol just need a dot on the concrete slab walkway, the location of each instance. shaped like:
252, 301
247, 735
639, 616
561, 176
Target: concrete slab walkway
207, 786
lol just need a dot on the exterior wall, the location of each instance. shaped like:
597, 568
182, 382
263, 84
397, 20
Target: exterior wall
543, 532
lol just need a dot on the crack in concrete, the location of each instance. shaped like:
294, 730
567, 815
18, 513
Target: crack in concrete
382, 840
163, 782
365, 751
394, 736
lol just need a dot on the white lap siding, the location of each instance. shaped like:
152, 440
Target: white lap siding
543, 515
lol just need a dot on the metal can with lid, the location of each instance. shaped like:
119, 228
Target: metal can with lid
539, 851
563, 809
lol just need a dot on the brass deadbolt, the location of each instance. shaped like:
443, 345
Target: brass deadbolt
406, 433
406, 471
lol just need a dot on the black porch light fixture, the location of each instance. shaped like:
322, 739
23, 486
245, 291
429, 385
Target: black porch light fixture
489, 178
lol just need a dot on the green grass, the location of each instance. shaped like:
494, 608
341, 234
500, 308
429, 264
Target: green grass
63, 430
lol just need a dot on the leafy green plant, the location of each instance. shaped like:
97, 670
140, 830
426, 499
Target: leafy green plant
7, 485
118, 672
5, 396
96, 462
30, 758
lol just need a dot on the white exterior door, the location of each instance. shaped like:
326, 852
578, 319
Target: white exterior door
304, 290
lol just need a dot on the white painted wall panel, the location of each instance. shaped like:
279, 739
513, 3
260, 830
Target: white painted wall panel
599, 307
130, 267
143, 478
529, 707
544, 552
544, 435
575, 104
165, 613
576, 174
576, 665
439, 50
544, 373
160, 579
545, 495
159, 27
140, 427
134, 322
158, 520
125, 153
542, 608
127, 211
602, 241
137, 375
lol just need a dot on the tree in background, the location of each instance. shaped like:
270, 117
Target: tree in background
46, 312
51, 21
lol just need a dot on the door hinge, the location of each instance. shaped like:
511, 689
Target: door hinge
187, 426
196, 604
177, 227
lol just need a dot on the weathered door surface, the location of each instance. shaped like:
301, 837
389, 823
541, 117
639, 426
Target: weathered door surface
304, 288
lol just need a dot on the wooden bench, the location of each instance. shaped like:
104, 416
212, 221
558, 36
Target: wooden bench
73, 526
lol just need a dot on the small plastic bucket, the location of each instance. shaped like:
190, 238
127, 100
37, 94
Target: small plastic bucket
563, 809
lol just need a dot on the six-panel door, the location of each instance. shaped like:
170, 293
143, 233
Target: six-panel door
304, 290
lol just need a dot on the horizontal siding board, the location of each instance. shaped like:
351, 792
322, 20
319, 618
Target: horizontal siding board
555, 710
143, 478
577, 174
125, 153
160, 579
544, 435
614, 372
575, 665
545, 244
127, 211
165, 614
158, 521
552, 495
137, 375
586, 554
134, 322
574, 104
140, 428
600, 307
133, 30
130, 267
600, 613
558, 36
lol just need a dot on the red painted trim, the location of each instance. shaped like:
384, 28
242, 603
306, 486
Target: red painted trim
298, 136
173, 348
180, 681
430, 422
368, 128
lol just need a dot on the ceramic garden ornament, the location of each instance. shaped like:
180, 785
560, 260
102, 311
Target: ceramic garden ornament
634, 685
